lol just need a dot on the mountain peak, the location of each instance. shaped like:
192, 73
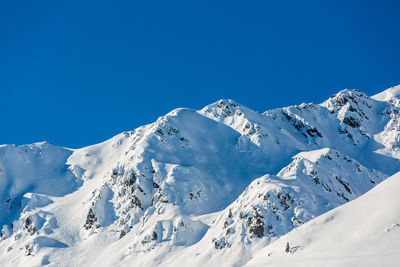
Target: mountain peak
392, 92
313, 155
193, 183
222, 109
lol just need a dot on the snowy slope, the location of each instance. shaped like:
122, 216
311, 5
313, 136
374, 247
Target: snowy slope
37, 169
364, 232
349, 122
387, 95
186, 189
314, 183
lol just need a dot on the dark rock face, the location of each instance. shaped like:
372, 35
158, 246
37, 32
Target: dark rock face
29, 226
257, 228
303, 127
91, 220
352, 122
122, 234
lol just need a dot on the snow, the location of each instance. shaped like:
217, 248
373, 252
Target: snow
313, 155
197, 187
393, 92
363, 232
274, 205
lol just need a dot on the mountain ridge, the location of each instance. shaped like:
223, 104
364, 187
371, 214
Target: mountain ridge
181, 183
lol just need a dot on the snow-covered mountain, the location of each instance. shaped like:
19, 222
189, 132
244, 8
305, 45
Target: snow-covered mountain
312, 184
211, 186
364, 232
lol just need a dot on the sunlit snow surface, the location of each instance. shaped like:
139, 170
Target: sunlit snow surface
364, 232
224, 185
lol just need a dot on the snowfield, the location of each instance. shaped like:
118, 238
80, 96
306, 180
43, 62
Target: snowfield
224, 185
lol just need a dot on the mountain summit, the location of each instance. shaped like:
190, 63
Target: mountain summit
211, 186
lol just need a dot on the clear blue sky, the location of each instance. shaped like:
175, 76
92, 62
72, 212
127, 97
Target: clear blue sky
76, 73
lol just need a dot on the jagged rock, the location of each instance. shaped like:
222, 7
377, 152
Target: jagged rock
91, 220
192, 178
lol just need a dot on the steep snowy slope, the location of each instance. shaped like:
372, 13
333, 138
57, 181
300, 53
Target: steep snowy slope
197, 169
35, 170
175, 190
389, 94
349, 122
364, 232
150, 181
314, 183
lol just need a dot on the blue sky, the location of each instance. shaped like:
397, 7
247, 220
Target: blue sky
76, 73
